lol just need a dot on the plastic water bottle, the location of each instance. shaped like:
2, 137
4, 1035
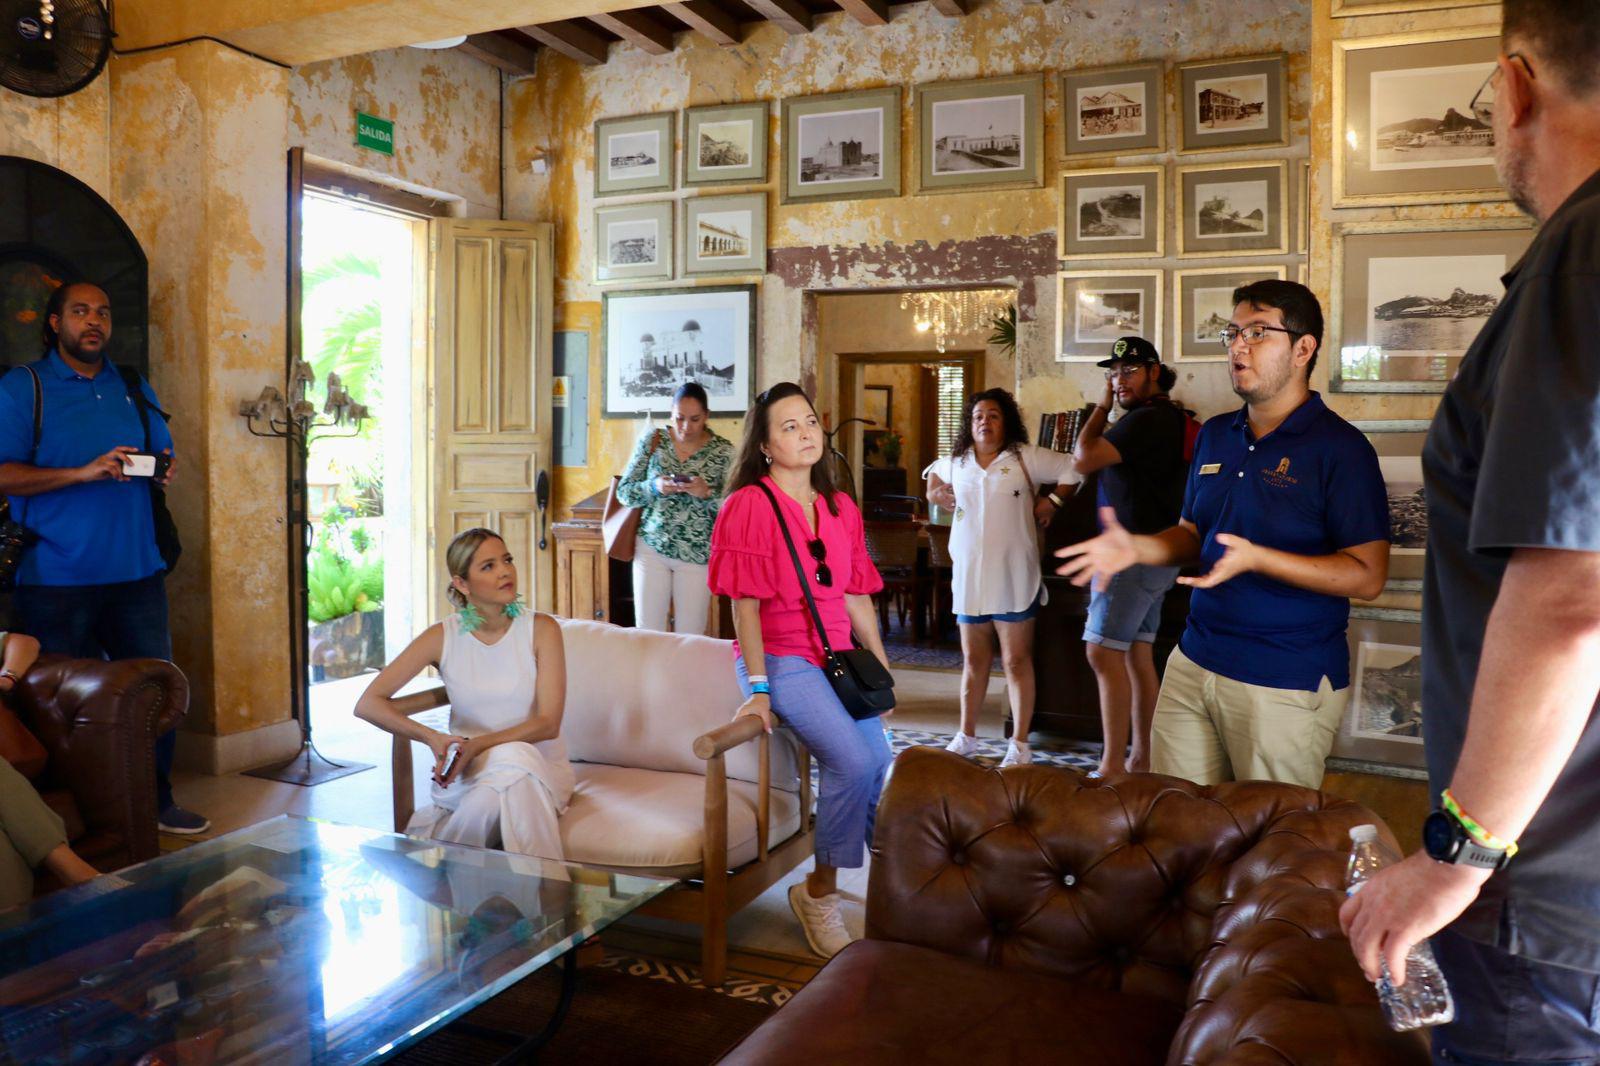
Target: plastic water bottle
1425, 998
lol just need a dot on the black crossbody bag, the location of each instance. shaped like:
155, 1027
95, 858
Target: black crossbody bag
166, 530
858, 678
15, 537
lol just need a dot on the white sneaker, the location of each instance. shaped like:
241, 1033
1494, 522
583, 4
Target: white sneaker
1016, 755
821, 919
963, 745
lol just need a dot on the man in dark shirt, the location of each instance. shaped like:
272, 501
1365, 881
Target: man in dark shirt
1286, 508
1142, 471
1511, 615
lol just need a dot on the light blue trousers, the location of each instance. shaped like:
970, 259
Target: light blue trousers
853, 756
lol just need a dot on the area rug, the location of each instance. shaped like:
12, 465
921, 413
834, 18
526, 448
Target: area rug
1074, 755
626, 1009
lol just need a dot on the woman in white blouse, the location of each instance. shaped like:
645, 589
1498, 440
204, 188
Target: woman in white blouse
990, 482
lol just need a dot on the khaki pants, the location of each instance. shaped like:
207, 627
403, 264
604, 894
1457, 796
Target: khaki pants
1209, 728
29, 831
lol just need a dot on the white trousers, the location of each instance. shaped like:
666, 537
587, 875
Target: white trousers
660, 583
523, 819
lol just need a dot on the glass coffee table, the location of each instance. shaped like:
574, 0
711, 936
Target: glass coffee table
293, 941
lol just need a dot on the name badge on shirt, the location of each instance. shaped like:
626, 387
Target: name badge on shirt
1210, 468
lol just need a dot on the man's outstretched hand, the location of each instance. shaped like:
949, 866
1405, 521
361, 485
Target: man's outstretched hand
1099, 558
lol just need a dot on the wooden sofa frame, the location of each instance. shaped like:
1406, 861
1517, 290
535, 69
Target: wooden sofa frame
719, 892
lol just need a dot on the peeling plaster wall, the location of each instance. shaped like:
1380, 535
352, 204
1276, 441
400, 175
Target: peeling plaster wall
982, 238
446, 110
67, 132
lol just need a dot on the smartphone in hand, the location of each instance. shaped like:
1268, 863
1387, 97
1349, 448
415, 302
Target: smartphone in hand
144, 464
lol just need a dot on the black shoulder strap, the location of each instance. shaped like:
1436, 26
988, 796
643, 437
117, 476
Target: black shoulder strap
131, 382
38, 414
800, 571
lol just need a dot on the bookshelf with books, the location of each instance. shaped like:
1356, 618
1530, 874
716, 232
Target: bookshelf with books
1059, 429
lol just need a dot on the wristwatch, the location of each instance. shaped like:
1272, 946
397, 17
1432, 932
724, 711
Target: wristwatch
1446, 840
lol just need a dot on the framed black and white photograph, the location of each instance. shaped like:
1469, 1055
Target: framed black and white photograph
1353, 8
1112, 214
985, 134
1403, 125
725, 234
1096, 307
633, 154
1233, 103
1204, 301
725, 145
1113, 110
1302, 210
1383, 717
1232, 209
633, 242
1398, 443
841, 146
1386, 693
1409, 298
656, 340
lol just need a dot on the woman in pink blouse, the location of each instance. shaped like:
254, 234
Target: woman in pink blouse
751, 565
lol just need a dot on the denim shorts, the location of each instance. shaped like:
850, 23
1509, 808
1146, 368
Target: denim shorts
1129, 609
1010, 616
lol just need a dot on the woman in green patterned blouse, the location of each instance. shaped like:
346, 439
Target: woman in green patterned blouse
676, 479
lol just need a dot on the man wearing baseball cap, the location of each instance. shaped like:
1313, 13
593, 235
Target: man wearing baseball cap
1143, 468
1286, 510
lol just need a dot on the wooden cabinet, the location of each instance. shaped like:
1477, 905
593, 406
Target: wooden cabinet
589, 584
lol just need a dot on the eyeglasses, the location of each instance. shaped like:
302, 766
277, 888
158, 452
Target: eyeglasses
1253, 335
1482, 105
819, 552
1126, 370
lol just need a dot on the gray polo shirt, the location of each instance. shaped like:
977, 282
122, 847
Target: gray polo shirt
1513, 461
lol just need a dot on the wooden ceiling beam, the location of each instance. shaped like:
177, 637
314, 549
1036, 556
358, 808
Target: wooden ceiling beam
791, 16
708, 20
954, 8
639, 28
867, 12
571, 40
498, 51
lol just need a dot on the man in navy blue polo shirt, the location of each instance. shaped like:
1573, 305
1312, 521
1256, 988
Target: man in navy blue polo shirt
94, 584
1286, 508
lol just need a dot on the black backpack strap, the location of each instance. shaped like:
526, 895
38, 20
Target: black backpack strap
800, 571
135, 387
38, 414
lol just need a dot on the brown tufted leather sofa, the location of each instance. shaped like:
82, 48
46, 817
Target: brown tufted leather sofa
98, 722
1030, 915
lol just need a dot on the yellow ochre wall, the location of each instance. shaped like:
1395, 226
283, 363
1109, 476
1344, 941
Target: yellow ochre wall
188, 144
1005, 237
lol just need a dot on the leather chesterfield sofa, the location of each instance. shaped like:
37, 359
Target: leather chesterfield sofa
1030, 915
98, 722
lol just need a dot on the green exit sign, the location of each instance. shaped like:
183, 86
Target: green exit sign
375, 133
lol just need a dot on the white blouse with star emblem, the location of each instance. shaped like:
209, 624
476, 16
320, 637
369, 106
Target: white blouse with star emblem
993, 538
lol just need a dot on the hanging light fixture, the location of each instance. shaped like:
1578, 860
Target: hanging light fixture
952, 312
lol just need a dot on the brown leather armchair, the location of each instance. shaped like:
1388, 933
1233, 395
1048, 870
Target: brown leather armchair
1030, 915
98, 722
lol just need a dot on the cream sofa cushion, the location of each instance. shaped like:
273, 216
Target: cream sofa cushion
647, 821
639, 698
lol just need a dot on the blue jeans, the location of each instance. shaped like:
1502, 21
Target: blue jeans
1129, 609
126, 620
1512, 1011
853, 756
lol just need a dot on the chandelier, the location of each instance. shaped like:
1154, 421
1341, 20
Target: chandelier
954, 311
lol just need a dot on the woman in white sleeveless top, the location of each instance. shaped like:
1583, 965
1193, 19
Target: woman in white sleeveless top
505, 670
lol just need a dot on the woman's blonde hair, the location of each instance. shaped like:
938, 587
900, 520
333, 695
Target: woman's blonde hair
458, 558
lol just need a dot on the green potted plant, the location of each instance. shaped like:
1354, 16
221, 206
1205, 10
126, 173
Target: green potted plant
341, 593
890, 444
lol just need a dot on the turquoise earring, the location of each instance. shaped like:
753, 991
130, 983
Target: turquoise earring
471, 618
516, 609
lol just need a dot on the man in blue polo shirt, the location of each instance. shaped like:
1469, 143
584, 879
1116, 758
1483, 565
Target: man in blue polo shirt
1286, 508
94, 584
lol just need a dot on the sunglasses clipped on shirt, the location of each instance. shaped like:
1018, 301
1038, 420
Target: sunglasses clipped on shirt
819, 552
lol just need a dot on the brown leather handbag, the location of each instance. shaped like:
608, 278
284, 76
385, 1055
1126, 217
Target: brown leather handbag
619, 523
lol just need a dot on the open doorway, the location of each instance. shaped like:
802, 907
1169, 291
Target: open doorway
358, 314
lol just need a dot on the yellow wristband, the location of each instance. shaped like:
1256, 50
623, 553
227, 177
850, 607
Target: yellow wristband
1474, 829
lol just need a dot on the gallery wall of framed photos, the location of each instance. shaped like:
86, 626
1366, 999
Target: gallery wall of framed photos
1409, 232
